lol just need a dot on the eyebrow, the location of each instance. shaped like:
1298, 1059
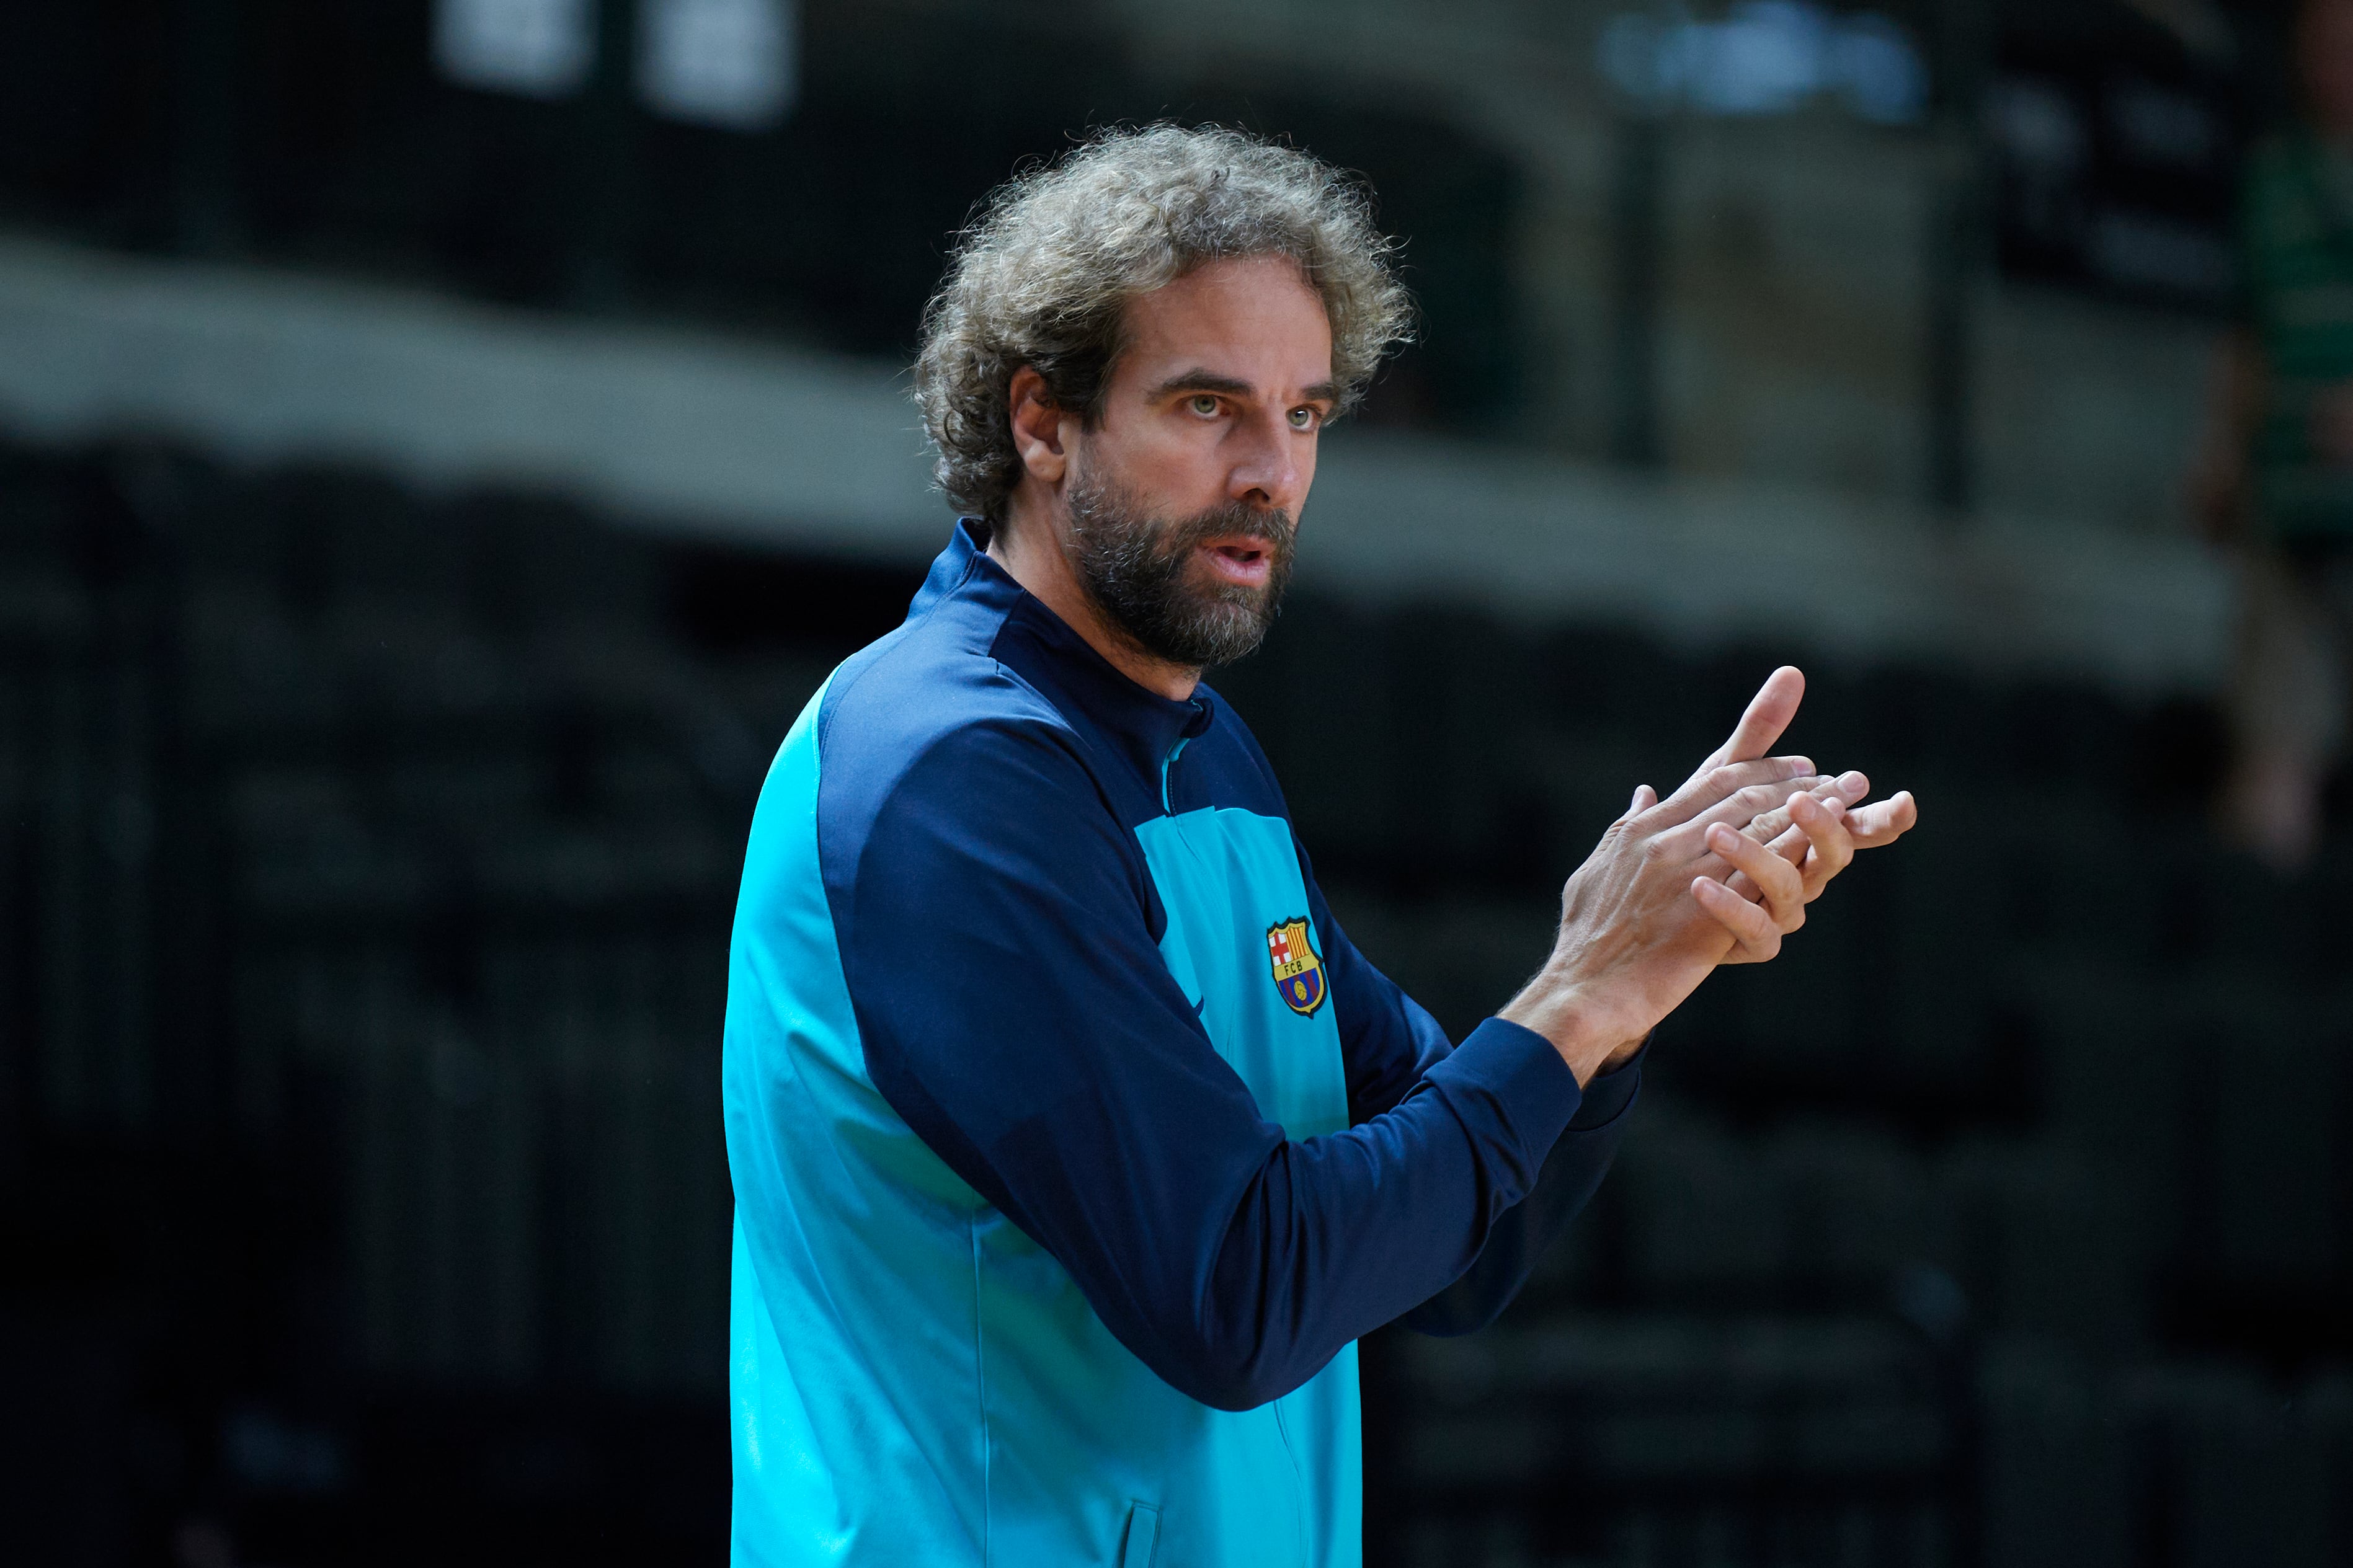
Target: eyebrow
1198, 380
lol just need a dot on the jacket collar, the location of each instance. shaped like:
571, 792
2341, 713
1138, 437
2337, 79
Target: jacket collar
1044, 649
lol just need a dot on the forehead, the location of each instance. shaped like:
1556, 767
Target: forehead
1255, 320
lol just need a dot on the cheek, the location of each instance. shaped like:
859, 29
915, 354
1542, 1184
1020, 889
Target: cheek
1178, 460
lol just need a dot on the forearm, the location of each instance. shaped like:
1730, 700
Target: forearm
1517, 1242
1329, 1237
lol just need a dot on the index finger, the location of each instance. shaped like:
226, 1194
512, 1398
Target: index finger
1767, 715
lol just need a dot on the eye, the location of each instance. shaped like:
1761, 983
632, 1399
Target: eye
1202, 403
1304, 419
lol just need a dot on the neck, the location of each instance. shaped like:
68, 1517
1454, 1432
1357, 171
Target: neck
1029, 547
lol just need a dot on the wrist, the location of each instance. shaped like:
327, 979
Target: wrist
1624, 1052
1579, 1032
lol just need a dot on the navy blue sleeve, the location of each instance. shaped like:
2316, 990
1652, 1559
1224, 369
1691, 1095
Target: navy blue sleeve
995, 935
1579, 1160
1391, 1043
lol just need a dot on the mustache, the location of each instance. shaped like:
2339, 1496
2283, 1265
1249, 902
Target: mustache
1236, 520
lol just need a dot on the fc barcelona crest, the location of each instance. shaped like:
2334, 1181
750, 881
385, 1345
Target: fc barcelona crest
1298, 969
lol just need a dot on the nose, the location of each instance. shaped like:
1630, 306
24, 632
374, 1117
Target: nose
1269, 467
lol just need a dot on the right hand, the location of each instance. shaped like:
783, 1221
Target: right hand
1633, 942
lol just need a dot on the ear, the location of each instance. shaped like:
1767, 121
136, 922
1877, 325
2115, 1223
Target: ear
1037, 423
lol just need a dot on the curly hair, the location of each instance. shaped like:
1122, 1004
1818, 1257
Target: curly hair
1042, 276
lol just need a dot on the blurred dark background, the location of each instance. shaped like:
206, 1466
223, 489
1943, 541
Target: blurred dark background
442, 445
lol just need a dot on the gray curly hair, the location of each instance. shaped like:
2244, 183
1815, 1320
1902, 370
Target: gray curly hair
1042, 276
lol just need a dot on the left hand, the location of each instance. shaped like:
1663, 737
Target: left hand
1786, 856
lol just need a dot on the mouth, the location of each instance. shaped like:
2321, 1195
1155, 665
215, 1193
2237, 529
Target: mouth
1247, 562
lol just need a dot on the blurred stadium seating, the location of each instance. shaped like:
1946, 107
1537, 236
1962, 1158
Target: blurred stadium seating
375, 758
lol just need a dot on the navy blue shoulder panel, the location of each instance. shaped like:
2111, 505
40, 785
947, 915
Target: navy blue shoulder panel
976, 654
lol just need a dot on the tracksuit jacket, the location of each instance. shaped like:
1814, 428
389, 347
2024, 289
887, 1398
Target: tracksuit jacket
1073, 1145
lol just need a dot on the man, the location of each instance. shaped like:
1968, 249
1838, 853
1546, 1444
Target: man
2277, 473
1074, 1145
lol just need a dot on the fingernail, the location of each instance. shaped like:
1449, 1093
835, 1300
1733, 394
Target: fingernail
1854, 783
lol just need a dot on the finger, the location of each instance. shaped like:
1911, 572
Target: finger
1783, 890
1884, 822
1771, 826
1645, 797
1767, 715
1784, 836
1831, 847
1710, 790
1871, 827
1819, 848
1755, 938
1793, 846
1689, 840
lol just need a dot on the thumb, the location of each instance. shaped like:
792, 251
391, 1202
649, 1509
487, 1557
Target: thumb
1768, 716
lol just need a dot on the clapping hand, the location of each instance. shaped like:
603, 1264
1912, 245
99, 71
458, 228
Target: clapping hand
1719, 872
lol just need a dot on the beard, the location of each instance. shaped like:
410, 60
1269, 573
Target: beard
1142, 573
